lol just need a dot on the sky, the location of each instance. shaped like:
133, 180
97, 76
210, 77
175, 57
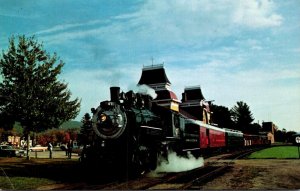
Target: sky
235, 50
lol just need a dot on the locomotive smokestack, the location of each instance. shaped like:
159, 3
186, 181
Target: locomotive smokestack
115, 94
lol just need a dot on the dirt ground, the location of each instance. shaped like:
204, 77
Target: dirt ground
245, 174
259, 174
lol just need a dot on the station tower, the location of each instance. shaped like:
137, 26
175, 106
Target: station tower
194, 103
155, 77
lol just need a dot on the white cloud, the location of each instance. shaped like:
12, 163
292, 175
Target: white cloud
297, 50
65, 27
180, 22
251, 44
256, 14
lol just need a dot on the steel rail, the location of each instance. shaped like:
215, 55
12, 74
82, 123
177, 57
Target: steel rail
7, 177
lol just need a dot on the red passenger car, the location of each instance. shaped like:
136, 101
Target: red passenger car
252, 140
209, 136
203, 137
216, 136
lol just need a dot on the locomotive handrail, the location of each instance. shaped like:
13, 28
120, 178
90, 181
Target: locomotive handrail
148, 127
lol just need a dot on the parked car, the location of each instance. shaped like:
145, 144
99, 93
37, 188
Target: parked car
21, 152
63, 147
8, 151
38, 148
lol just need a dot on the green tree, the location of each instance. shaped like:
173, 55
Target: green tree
280, 136
6, 121
221, 116
30, 91
254, 128
242, 116
289, 136
86, 132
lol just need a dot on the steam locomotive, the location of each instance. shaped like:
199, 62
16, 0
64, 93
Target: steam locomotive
133, 132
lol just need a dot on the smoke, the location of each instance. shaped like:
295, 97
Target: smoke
177, 163
146, 90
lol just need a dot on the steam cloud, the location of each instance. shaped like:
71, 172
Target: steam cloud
146, 90
179, 164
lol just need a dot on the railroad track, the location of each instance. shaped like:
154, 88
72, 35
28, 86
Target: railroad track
193, 179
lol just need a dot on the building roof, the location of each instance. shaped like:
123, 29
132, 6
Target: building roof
192, 93
166, 95
153, 74
268, 126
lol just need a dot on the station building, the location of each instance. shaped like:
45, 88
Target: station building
269, 129
192, 104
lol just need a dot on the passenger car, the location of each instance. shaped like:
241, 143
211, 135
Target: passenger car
38, 148
8, 151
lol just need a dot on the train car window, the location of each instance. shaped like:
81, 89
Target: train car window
182, 124
176, 121
191, 128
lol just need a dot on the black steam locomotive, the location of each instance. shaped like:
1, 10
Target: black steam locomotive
133, 132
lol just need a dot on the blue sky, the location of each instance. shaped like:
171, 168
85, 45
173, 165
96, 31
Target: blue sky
235, 50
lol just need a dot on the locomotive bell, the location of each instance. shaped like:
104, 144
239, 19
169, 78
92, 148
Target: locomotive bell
114, 94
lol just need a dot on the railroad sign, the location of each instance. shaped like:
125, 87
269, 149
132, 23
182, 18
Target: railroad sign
297, 140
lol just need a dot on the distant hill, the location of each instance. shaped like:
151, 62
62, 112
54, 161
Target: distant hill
71, 125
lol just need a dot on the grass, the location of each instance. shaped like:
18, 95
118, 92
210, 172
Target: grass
20, 174
23, 183
280, 152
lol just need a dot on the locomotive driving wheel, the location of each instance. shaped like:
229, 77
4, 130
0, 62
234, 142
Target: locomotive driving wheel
143, 160
138, 163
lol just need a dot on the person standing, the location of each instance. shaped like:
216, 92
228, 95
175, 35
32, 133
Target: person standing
70, 148
67, 148
50, 148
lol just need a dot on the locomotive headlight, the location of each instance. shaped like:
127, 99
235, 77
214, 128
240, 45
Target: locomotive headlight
109, 123
103, 117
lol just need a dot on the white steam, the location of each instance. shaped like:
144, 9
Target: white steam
146, 90
179, 164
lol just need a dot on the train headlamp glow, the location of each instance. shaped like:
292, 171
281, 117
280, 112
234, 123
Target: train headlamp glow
103, 117
110, 121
